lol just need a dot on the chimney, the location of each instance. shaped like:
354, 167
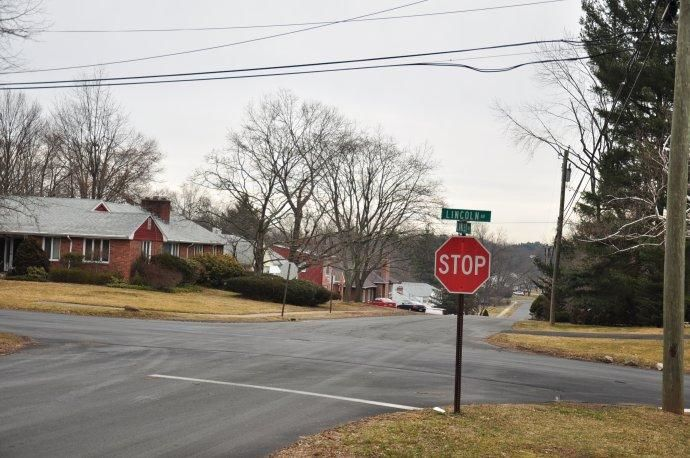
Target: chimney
158, 206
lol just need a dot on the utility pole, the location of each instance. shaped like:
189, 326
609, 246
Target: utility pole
559, 236
676, 227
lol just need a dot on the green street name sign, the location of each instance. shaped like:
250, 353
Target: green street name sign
481, 216
463, 227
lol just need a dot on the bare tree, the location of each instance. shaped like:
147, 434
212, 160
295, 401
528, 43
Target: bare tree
246, 171
19, 19
104, 157
374, 195
191, 202
311, 134
570, 119
21, 148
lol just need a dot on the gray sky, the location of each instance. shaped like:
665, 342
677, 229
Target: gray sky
447, 109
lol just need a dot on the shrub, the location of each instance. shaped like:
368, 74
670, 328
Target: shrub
539, 307
81, 275
30, 254
190, 271
158, 277
36, 274
218, 268
321, 295
336, 296
271, 288
153, 275
72, 259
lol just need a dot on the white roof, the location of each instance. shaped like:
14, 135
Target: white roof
59, 216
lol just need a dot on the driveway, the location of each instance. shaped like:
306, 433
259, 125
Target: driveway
119, 387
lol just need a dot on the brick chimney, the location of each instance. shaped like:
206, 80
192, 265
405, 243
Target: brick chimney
158, 206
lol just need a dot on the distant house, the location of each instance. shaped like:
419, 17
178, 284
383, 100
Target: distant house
410, 291
110, 236
243, 250
329, 273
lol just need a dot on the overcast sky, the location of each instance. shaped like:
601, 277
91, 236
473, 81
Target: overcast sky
448, 109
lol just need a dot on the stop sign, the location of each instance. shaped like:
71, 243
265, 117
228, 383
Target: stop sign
462, 265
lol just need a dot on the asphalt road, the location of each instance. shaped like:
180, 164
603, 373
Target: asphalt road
87, 390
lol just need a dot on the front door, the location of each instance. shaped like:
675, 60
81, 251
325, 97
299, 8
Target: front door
3, 244
8, 251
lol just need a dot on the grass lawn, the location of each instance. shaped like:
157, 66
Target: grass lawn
629, 352
534, 325
559, 429
9, 343
206, 305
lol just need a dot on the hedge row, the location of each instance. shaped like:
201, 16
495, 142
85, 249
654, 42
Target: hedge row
272, 288
83, 276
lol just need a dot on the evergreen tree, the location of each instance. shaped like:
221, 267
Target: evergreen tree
613, 271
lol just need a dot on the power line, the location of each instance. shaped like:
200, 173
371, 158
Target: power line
305, 72
210, 48
302, 65
301, 24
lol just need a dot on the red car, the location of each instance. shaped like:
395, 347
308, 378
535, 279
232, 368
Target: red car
383, 302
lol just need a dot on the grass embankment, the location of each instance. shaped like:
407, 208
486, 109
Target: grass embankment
629, 352
9, 343
561, 429
534, 325
205, 305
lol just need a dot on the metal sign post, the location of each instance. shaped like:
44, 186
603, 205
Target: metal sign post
458, 354
462, 266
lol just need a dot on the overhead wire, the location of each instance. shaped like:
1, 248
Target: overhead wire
309, 64
301, 72
220, 46
301, 24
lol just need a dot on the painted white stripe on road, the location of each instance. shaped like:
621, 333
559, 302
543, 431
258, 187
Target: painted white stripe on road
285, 390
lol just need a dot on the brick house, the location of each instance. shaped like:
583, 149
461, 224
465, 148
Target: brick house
110, 236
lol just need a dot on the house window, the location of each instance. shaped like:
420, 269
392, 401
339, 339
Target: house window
51, 245
172, 248
198, 249
96, 250
146, 249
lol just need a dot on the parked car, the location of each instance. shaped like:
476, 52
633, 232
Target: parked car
418, 308
383, 302
431, 310
405, 305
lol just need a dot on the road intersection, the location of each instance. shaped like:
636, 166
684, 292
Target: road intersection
118, 387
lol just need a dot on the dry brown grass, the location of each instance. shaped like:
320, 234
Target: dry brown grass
206, 305
559, 429
534, 325
9, 343
629, 352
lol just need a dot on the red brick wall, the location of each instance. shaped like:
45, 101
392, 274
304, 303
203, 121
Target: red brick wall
123, 253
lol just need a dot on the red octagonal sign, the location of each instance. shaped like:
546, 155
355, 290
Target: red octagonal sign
462, 265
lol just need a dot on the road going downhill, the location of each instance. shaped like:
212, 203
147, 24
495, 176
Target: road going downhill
88, 388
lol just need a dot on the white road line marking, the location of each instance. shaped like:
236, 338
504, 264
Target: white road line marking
285, 390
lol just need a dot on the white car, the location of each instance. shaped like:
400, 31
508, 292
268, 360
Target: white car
431, 310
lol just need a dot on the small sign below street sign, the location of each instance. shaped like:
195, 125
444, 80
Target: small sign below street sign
463, 227
480, 216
